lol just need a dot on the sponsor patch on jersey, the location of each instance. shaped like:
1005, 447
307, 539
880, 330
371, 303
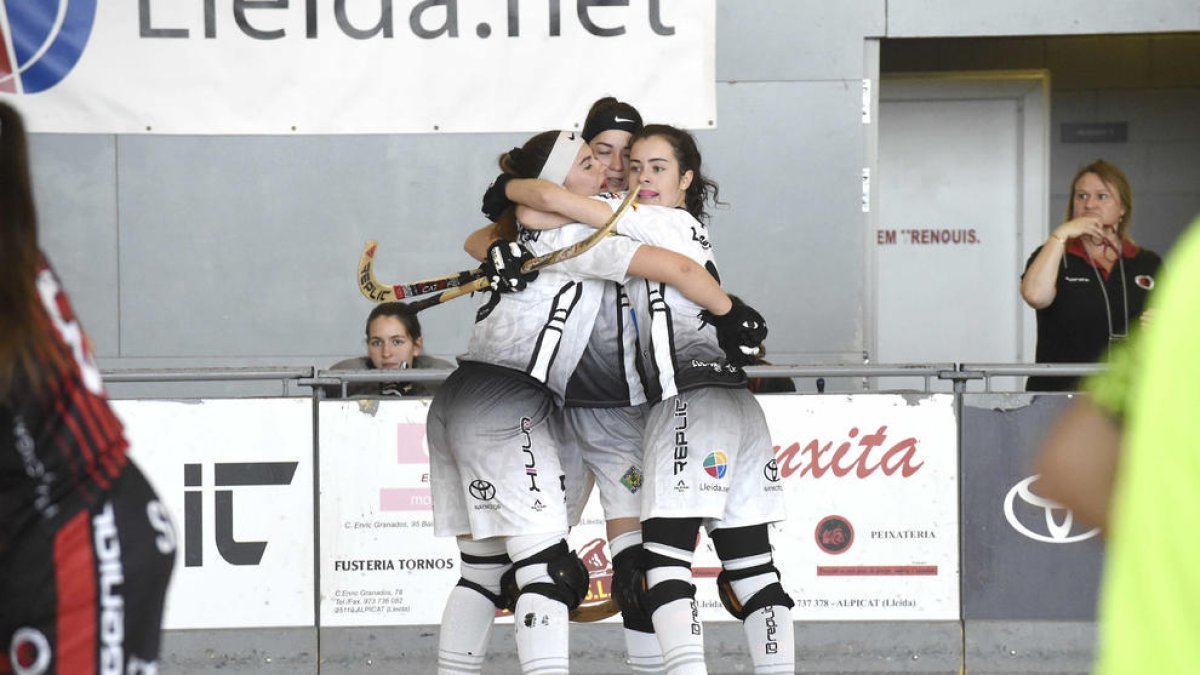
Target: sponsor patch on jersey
1144, 281
632, 479
716, 464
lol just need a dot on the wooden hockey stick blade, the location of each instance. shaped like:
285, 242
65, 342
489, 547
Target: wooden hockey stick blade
596, 612
377, 291
565, 253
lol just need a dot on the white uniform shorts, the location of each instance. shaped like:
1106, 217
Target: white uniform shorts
494, 465
602, 446
709, 455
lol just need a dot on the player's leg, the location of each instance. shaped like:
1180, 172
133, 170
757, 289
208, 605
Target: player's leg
670, 596
471, 609
750, 583
642, 649
609, 441
552, 581
750, 589
469, 612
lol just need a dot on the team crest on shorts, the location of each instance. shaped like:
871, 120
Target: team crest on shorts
632, 479
716, 464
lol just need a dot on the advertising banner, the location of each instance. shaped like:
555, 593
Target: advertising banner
872, 532
1024, 557
353, 66
872, 498
237, 478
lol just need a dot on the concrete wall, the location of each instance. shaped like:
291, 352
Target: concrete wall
203, 251
1151, 83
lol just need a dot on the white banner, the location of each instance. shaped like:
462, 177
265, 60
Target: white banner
353, 66
872, 531
872, 499
237, 478
380, 563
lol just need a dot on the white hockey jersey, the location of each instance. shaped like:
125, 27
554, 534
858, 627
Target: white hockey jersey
542, 330
679, 350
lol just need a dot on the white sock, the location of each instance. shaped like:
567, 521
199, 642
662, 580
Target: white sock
771, 636
468, 616
542, 634
466, 628
677, 625
644, 653
770, 633
623, 541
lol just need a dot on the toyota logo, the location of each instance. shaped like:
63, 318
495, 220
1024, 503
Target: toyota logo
482, 490
771, 471
1056, 532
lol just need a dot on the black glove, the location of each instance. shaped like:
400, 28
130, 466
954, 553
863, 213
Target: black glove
502, 266
495, 201
740, 332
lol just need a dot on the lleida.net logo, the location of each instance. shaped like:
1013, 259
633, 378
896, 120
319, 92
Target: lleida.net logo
41, 41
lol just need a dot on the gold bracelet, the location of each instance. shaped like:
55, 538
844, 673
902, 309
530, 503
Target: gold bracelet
1059, 239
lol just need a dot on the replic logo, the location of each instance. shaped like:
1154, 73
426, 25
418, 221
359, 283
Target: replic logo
40, 42
226, 475
1023, 517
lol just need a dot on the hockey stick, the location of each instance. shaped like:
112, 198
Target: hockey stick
597, 612
378, 291
480, 283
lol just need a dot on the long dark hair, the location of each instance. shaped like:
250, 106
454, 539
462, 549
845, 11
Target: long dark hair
20, 311
687, 153
398, 311
523, 162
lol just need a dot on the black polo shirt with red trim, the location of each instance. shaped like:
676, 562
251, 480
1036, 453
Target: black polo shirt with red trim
1075, 327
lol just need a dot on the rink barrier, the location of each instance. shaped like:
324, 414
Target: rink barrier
1023, 596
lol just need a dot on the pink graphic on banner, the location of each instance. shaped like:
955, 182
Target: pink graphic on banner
405, 499
410, 444
410, 439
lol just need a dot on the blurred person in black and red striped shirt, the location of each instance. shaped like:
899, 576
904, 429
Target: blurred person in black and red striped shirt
86, 548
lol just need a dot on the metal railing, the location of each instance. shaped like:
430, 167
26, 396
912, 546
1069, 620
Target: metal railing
959, 374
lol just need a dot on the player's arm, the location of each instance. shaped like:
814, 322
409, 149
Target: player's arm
478, 241
536, 195
1078, 461
533, 219
682, 273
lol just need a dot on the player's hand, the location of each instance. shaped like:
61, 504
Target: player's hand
495, 201
1146, 317
502, 266
740, 332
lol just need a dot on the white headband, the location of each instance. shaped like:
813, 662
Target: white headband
562, 156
